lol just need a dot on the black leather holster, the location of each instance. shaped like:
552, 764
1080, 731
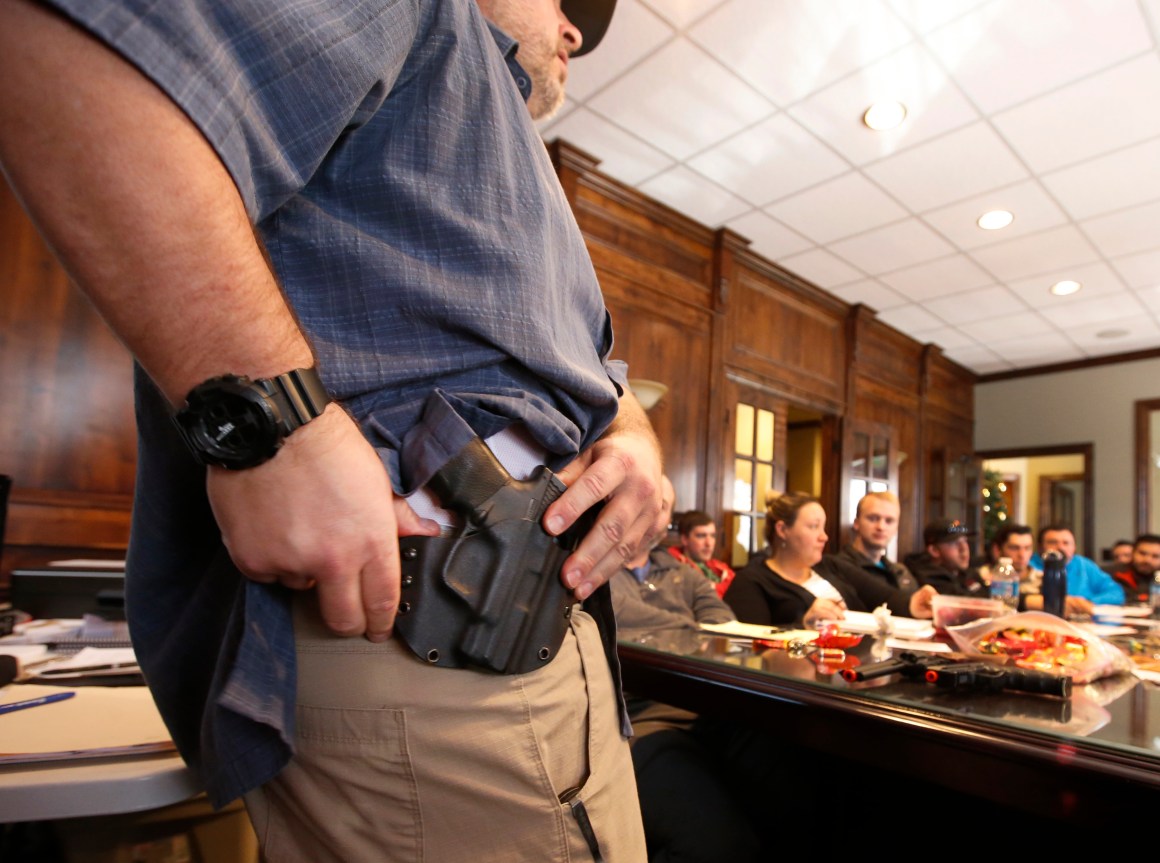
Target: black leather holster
488, 596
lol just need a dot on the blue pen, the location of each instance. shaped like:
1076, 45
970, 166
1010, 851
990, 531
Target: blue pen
35, 702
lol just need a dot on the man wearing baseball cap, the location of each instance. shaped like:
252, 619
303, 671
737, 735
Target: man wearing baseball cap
333, 240
946, 562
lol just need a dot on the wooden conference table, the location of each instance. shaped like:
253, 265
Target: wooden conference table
1089, 759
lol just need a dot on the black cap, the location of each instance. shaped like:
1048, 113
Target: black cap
591, 18
945, 530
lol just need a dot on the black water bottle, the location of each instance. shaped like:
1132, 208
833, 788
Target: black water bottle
1054, 583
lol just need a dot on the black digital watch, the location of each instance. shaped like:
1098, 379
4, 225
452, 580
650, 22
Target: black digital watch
235, 422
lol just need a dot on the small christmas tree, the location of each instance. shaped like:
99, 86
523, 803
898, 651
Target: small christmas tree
994, 505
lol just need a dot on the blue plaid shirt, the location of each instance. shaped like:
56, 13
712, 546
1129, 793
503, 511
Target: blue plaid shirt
385, 154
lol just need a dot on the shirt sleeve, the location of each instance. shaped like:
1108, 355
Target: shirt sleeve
708, 607
272, 86
1099, 587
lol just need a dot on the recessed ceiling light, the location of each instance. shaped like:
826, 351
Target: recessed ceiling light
994, 220
1067, 286
882, 116
1111, 334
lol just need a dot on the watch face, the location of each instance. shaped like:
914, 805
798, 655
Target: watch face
229, 424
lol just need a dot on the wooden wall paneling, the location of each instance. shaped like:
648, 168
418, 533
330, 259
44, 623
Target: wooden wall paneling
784, 331
669, 342
68, 427
885, 381
719, 472
655, 268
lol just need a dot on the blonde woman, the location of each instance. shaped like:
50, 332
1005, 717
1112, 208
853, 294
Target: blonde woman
785, 587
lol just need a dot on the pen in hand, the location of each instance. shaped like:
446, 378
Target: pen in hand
35, 702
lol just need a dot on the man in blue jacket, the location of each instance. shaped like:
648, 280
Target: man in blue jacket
1084, 576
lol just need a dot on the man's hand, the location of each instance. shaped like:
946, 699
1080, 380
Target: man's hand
321, 513
921, 602
1078, 606
623, 469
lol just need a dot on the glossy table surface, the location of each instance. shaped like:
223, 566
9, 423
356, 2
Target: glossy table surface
1084, 756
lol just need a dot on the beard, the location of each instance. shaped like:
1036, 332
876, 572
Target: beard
538, 57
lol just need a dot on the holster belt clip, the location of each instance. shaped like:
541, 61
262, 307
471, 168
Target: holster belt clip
490, 595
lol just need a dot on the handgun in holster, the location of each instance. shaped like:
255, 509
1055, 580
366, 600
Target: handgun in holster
488, 595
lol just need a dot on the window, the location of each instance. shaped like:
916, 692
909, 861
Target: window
754, 468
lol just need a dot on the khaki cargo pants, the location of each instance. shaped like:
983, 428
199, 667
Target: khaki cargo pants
400, 761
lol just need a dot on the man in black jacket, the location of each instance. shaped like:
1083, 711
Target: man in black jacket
946, 563
875, 527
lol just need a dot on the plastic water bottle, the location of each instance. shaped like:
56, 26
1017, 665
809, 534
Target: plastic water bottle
1054, 583
1154, 594
1005, 584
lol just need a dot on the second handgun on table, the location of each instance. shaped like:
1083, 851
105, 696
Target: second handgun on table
965, 676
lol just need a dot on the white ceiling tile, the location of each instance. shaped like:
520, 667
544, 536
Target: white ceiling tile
679, 13
788, 48
1136, 229
768, 237
1087, 118
633, 34
774, 158
892, 247
679, 102
623, 157
1150, 297
980, 359
846, 205
1033, 208
1129, 333
1139, 271
1011, 50
920, 179
945, 337
977, 305
820, 267
937, 278
1108, 307
1041, 349
1097, 278
909, 76
870, 293
1002, 329
925, 16
694, 196
911, 318
1039, 253
1122, 179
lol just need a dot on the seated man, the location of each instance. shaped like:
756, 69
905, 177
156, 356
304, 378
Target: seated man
691, 803
874, 528
698, 539
946, 563
1121, 552
1015, 542
1084, 576
654, 592
1136, 577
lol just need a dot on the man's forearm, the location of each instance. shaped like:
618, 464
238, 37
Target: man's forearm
138, 208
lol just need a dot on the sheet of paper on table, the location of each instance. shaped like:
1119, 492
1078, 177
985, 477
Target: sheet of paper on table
1121, 611
97, 721
737, 629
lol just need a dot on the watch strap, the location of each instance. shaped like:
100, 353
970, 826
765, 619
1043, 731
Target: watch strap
300, 396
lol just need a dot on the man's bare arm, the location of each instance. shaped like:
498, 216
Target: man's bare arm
147, 221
